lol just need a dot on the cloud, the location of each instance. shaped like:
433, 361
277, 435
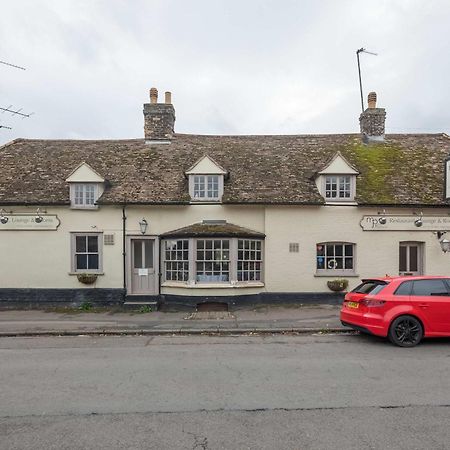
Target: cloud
234, 67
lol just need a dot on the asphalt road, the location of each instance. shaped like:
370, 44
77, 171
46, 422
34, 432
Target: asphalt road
280, 392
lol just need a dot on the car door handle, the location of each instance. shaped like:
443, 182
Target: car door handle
424, 305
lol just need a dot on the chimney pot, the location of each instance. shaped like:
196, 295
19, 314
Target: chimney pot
372, 100
153, 95
168, 98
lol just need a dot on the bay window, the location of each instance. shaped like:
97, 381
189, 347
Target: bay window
203, 261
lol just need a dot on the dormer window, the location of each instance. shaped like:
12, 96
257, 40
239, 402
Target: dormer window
84, 195
338, 187
206, 187
206, 179
337, 181
86, 186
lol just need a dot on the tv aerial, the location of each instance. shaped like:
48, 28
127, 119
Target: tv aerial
362, 50
15, 111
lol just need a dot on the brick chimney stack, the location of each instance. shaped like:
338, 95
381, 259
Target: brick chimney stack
159, 118
372, 120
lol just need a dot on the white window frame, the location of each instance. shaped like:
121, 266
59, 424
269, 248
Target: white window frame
250, 260
339, 178
173, 262
74, 195
205, 179
333, 271
420, 257
233, 263
74, 253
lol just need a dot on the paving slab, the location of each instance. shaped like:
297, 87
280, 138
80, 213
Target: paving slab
276, 319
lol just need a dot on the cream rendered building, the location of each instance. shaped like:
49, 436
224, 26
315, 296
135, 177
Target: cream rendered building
184, 219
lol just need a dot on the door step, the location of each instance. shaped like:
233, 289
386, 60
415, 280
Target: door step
137, 304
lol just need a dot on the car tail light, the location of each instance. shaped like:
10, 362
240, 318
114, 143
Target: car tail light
372, 303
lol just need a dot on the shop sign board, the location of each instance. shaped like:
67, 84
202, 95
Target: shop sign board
405, 223
30, 222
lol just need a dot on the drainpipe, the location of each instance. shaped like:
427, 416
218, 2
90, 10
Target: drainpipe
124, 253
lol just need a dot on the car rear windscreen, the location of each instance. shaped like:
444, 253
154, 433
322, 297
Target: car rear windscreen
370, 287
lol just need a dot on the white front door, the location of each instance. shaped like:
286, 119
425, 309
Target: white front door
143, 264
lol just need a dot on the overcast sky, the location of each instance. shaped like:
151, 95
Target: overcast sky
233, 66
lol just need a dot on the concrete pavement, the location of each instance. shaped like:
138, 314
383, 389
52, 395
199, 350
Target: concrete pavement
263, 319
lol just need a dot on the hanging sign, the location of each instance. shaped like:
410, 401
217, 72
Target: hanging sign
405, 223
34, 222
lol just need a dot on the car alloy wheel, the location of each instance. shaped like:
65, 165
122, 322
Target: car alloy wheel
406, 331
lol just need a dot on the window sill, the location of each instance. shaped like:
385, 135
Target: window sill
86, 208
206, 201
337, 275
86, 271
211, 285
341, 203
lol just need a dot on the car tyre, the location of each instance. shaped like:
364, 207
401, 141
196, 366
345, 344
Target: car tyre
405, 331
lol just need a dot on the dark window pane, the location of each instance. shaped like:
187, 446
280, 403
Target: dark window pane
137, 254
81, 262
349, 250
80, 244
404, 288
330, 250
338, 250
348, 263
93, 261
92, 244
429, 287
413, 258
402, 260
149, 254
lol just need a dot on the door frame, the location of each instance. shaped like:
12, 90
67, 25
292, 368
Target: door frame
129, 270
420, 256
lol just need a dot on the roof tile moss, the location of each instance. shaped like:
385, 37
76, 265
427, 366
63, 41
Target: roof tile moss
404, 170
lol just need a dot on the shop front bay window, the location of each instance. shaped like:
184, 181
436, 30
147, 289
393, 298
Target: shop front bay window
213, 261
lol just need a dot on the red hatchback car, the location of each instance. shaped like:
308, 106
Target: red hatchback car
404, 309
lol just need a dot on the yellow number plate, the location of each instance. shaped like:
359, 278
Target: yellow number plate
354, 305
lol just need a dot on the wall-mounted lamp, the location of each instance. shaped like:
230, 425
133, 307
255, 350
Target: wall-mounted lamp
382, 220
38, 218
143, 224
3, 218
445, 245
419, 221
439, 234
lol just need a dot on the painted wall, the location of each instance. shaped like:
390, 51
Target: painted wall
41, 259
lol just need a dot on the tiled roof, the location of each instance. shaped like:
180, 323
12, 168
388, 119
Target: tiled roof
406, 169
214, 230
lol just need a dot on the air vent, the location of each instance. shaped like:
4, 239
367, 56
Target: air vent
108, 239
294, 247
